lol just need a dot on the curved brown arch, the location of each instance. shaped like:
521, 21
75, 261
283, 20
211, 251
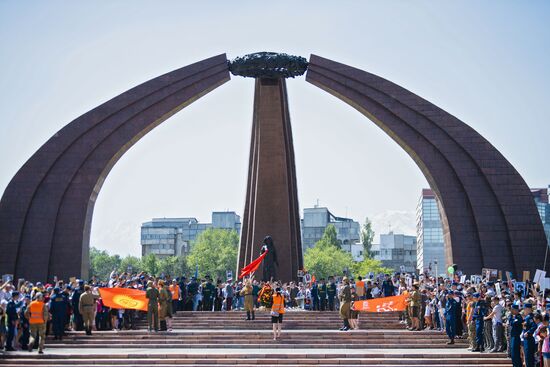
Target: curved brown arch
46, 210
489, 216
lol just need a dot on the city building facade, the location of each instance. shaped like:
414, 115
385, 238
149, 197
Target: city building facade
430, 244
430, 247
396, 251
316, 220
174, 236
541, 199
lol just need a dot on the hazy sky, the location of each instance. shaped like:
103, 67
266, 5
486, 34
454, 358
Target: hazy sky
486, 62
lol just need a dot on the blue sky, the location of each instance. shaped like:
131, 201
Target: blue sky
485, 62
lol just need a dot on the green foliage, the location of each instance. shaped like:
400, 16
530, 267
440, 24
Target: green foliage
215, 252
330, 236
326, 258
150, 264
174, 266
102, 264
130, 262
369, 264
367, 236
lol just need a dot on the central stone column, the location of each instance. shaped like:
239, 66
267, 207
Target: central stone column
271, 207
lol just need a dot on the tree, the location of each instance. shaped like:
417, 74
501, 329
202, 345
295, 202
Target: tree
330, 236
130, 262
150, 264
368, 265
326, 258
102, 264
214, 252
367, 236
175, 266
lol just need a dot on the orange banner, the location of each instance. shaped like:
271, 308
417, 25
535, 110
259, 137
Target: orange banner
124, 298
384, 304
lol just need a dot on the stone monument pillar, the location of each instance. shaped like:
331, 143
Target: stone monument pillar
271, 207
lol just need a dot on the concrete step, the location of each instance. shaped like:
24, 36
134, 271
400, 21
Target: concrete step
232, 360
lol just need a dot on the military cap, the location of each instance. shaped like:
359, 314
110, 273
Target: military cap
515, 307
527, 305
476, 295
14, 293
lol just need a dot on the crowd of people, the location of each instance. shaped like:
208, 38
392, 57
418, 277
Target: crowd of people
491, 313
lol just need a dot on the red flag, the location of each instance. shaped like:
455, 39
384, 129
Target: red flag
253, 266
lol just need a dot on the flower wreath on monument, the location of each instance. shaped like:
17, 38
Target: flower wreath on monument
265, 297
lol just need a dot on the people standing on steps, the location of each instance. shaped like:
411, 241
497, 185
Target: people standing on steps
345, 304
86, 307
529, 327
152, 295
247, 293
450, 317
277, 312
38, 315
354, 315
165, 302
331, 293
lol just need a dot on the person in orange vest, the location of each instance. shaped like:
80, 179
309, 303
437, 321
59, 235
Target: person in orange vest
175, 290
277, 312
38, 314
360, 289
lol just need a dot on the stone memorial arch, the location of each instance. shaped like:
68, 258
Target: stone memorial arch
488, 214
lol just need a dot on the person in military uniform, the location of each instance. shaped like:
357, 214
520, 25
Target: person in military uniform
78, 323
218, 297
12, 320
314, 294
478, 315
387, 286
515, 322
38, 315
529, 328
450, 317
59, 306
193, 292
246, 292
86, 307
152, 294
323, 295
331, 293
165, 313
345, 304
208, 292
24, 324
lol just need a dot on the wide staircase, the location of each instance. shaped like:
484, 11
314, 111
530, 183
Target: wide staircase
227, 339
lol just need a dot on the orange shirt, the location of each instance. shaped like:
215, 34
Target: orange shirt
175, 289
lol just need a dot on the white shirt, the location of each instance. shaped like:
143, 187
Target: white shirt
497, 314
